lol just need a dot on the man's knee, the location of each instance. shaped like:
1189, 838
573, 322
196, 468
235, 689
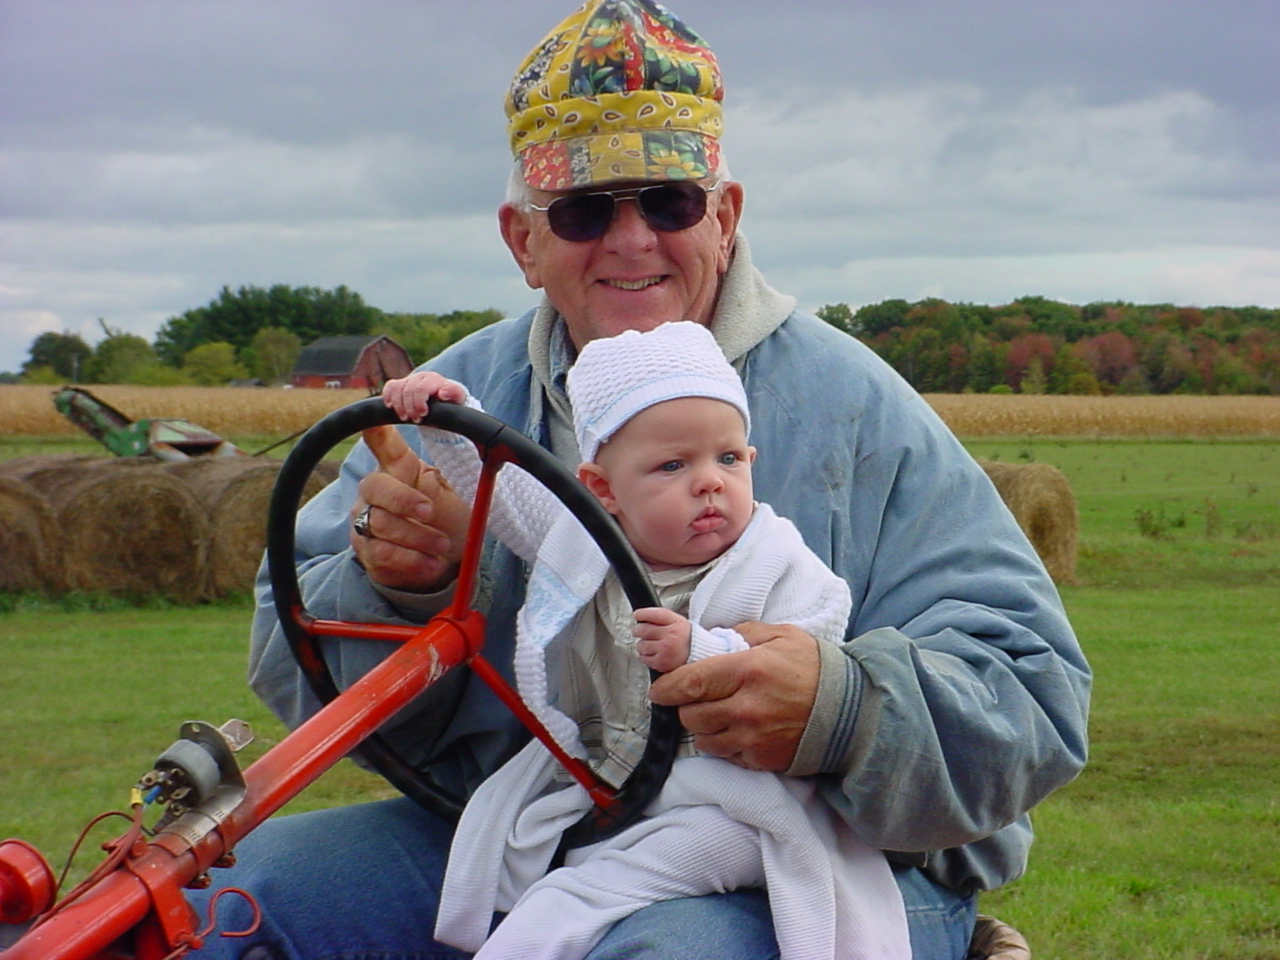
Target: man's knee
939, 920
737, 924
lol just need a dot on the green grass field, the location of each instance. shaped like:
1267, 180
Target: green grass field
1167, 513
1168, 846
89, 698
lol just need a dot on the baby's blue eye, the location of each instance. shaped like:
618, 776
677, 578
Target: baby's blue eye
671, 466
729, 459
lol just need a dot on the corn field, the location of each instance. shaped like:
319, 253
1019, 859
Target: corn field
259, 412
227, 411
1018, 415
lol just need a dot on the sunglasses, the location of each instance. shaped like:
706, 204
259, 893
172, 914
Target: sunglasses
667, 207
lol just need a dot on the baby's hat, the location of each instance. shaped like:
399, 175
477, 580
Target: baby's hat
616, 378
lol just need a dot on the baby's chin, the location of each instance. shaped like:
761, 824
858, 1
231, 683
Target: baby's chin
693, 558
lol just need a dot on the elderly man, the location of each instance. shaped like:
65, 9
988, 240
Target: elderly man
958, 700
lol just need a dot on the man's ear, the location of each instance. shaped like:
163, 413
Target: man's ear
594, 478
728, 215
517, 233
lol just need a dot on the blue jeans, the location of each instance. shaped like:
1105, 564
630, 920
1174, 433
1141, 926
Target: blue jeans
361, 883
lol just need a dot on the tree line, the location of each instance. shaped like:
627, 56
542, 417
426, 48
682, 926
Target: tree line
251, 333
1038, 345
1032, 345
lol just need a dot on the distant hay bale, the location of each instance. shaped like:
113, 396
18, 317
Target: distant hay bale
1040, 498
125, 526
30, 560
31, 466
236, 493
327, 471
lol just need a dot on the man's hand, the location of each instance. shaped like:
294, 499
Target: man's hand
751, 707
417, 524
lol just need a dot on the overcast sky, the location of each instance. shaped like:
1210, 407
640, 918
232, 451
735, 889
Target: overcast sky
152, 151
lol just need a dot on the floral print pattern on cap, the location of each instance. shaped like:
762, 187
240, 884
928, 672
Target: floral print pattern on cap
621, 90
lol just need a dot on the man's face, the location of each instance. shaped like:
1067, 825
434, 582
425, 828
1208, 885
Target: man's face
677, 476
633, 277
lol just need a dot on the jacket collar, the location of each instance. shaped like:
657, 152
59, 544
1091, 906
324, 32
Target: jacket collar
747, 311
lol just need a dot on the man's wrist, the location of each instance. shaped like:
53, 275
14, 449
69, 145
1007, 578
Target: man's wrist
828, 734
417, 606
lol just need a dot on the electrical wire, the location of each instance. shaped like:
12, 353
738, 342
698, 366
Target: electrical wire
119, 850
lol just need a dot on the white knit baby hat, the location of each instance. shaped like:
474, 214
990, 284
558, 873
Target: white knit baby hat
616, 378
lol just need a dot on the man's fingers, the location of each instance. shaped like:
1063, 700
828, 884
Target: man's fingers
449, 513
749, 707
391, 526
392, 453
402, 568
398, 498
417, 524
714, 678
757, 633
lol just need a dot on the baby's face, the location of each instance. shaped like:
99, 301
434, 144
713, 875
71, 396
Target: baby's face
679, 480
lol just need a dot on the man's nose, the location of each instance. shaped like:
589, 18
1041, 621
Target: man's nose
629, 230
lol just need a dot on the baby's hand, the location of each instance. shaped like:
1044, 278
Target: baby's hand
409, 395
663, 637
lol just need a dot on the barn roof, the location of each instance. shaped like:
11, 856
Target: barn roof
332, 356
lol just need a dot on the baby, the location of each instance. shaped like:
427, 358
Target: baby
662, 422
677, 476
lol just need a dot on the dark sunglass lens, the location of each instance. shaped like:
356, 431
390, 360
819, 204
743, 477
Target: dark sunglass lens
673, 206
579, 219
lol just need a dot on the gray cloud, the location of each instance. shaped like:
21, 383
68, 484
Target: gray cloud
156, 150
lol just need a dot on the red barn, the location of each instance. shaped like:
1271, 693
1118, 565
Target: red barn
350, 363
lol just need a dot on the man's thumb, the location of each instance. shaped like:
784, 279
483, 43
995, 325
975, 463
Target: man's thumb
392, 453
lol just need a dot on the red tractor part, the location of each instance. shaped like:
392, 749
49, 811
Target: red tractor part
27, 883
132, 907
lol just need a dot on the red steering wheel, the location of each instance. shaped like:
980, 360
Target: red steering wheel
498, 444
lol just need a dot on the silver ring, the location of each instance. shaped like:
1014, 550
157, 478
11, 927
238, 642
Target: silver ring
361, 523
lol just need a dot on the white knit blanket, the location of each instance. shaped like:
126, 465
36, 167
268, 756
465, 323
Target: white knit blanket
714, 827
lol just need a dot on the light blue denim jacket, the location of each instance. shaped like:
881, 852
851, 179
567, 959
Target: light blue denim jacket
959, 699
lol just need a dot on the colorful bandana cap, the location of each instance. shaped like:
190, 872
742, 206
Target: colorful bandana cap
621, 90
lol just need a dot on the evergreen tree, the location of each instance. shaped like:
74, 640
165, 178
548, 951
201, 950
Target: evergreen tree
64, 354
235, 317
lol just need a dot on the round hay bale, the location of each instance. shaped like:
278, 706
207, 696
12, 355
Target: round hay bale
30, 560
1040, 498
236, 492
327, 471
126, 527
30, 467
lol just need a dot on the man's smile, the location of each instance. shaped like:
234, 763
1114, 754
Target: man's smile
634, 284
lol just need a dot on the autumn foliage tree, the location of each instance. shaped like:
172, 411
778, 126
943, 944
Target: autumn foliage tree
1038, 344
